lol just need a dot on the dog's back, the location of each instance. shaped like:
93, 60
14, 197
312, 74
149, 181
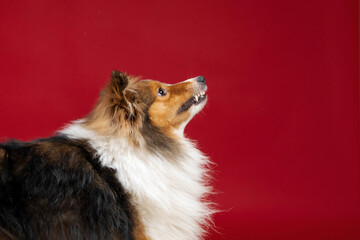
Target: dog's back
56, 189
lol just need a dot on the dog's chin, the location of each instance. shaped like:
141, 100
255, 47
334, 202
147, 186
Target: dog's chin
198, 106
191, 111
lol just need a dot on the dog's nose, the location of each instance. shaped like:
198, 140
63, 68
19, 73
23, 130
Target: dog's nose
201, 79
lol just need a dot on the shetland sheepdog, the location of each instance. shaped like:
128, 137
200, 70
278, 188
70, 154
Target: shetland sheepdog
125, 171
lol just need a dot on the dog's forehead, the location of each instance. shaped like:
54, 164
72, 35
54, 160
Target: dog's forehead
151, 84
147, 83
147, 90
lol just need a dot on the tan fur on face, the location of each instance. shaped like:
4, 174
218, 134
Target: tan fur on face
164, 111
126, 105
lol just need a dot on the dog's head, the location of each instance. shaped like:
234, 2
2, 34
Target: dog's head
128, 106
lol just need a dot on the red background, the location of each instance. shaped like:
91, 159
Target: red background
282, 121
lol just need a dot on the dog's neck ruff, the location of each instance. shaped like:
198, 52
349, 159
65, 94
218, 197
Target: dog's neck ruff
167, 193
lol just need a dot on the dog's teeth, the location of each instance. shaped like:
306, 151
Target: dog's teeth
196, 97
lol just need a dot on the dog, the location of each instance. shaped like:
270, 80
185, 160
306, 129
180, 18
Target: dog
125, 171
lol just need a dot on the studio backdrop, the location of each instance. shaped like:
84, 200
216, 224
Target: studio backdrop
282, 120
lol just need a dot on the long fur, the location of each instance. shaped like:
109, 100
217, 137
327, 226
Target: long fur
127, 164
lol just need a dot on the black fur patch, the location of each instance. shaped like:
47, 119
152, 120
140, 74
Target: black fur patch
120, 80
56, 189
157, 141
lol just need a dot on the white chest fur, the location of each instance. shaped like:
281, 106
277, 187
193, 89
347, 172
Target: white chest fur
166, 192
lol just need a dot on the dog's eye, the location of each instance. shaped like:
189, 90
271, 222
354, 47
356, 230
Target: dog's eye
162, 92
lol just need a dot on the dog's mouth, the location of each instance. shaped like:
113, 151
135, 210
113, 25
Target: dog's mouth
195, 100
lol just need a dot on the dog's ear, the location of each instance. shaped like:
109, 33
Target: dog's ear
121, 96
119, 80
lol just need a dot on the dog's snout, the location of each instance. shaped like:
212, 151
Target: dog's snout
201, 79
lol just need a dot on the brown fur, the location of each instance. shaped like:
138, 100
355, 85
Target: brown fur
132, 109
139, 231
163, 112
117, 109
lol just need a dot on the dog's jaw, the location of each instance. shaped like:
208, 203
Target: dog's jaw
193, 110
